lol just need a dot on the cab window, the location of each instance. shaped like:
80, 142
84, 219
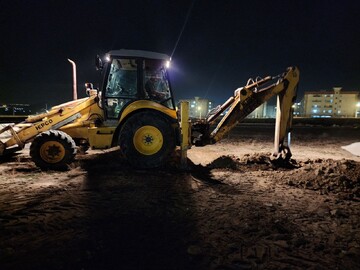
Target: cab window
121, 86
156, 83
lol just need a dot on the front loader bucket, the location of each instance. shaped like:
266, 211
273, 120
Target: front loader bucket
9, 141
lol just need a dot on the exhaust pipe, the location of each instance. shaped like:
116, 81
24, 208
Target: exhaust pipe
74, 79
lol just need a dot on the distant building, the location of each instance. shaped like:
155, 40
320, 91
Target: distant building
200, 107
334, 103
298, 109
270, 111
265, 110
15, 109
259, 112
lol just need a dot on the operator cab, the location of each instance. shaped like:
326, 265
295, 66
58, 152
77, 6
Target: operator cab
131, 75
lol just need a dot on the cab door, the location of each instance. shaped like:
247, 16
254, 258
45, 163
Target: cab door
120, 87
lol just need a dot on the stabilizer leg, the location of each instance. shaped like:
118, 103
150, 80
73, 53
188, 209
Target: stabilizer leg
284, 114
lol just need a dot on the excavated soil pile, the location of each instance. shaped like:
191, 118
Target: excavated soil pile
326, 176
225, 162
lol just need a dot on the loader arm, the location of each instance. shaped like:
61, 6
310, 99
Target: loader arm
57, 117
245, 100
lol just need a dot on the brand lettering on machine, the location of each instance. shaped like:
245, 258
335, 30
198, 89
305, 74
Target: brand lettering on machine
43, 124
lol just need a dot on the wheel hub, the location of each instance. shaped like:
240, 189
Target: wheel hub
52, 151
148, 140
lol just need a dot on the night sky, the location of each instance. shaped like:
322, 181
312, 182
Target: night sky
223, 44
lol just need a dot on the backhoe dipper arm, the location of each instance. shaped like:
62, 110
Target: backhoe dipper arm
247, 99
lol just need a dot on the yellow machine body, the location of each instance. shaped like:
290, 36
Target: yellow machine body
84, 115
141, 117
101, 136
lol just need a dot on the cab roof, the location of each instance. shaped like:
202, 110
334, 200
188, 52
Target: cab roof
139, 54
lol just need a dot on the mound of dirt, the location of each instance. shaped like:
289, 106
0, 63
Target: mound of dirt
225, 162
256, 158
235, 163
340, 177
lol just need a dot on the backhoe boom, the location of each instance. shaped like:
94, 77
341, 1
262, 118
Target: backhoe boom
246, 99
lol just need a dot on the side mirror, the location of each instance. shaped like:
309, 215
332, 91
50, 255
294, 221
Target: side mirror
98, 63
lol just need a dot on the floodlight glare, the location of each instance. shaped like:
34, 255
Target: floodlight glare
167, 64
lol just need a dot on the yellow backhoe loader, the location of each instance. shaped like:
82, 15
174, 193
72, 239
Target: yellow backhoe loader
134, 109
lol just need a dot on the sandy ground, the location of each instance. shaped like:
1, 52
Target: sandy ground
231, 209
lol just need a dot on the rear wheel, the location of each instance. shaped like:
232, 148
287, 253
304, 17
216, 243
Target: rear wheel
53, 150
147, 139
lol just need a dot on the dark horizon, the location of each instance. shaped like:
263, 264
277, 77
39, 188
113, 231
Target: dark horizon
222, 46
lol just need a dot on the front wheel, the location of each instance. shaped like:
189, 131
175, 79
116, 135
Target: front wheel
53, 150
147, 139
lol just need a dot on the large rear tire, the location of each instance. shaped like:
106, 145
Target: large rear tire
53, 150
147, 140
